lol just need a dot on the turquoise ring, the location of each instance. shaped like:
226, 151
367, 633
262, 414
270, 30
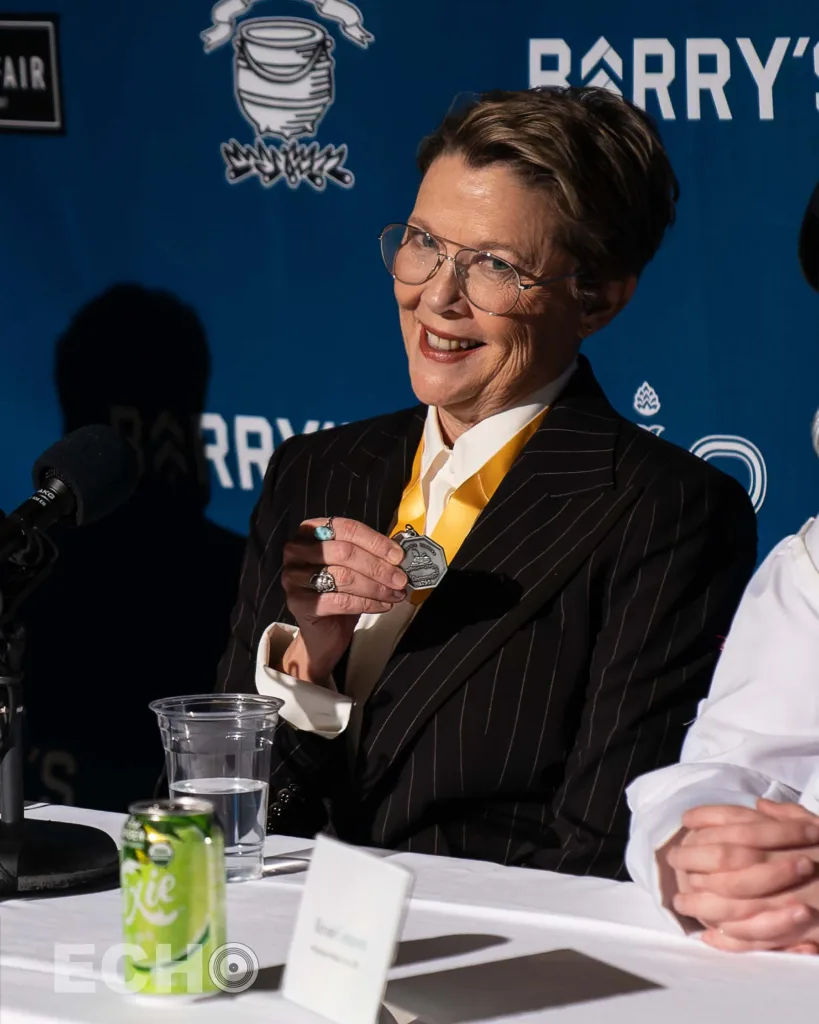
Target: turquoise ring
325, 532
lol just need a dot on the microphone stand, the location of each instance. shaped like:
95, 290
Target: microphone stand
36, 855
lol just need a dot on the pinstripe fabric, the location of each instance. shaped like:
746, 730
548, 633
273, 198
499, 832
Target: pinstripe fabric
561, 656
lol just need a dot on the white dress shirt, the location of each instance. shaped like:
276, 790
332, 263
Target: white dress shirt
757, 733
323, 710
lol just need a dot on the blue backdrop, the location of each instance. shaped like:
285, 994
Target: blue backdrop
159, 106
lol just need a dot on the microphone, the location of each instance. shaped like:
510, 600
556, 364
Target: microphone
80, 479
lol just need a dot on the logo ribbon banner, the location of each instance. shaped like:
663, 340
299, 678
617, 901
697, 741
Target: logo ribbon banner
225, 13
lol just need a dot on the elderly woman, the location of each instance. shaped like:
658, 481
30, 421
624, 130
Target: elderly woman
489, 613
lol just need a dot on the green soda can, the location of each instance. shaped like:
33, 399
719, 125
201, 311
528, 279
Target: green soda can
172, 874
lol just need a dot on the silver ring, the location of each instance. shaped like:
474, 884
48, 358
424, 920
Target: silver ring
325, 532
323, 582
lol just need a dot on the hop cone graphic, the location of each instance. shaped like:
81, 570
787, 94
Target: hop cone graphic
646, 400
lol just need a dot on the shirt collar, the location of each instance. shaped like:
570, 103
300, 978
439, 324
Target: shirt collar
478, 444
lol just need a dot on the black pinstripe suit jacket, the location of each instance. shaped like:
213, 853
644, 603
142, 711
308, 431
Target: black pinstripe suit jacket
562, 655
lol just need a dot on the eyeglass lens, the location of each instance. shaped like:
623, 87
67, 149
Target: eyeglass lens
413, 256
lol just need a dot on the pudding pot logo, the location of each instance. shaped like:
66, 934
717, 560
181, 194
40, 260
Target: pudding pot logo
284, 84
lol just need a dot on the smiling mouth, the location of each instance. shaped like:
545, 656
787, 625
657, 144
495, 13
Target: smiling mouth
448, 344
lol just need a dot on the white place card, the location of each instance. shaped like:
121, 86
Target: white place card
346, 932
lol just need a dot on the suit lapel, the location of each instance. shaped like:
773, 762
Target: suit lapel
552, 509
367, 479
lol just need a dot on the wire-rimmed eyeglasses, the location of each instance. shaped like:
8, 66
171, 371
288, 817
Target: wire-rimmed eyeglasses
489, 282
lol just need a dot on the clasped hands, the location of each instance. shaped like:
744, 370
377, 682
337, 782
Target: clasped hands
750, 876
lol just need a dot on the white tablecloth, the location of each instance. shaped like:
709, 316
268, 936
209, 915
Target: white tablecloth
480, 942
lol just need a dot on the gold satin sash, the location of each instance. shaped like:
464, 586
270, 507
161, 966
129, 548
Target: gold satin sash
465, 503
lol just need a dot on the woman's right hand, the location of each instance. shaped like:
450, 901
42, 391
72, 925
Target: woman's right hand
364, 564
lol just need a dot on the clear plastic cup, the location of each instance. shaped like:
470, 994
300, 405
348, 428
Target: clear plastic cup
217, 748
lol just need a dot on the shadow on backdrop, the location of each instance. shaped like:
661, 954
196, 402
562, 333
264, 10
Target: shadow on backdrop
138, 604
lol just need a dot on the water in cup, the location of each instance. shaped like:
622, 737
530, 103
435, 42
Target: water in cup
217, 748
240, 807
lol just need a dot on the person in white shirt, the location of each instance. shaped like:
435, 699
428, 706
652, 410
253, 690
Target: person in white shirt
728, 839
576, 571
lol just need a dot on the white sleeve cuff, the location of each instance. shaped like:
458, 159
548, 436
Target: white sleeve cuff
307, 706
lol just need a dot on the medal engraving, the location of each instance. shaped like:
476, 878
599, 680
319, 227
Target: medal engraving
425, 562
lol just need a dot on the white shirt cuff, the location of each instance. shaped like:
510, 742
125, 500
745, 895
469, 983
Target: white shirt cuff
307, 706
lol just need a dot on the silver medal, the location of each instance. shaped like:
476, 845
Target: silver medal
425, 562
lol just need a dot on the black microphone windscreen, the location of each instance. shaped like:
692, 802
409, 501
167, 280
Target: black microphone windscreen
97, 466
